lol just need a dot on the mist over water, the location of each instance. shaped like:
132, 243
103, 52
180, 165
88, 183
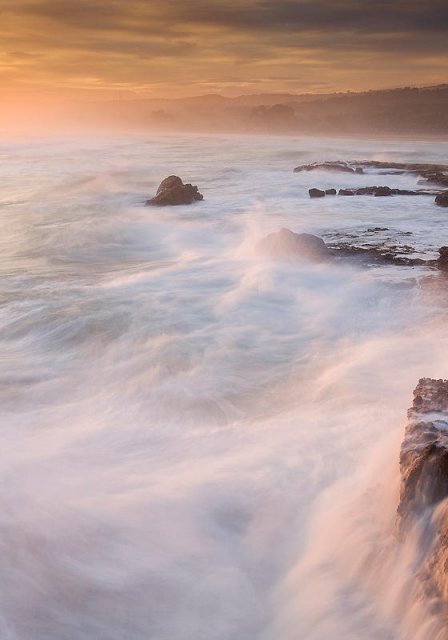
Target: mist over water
199, 442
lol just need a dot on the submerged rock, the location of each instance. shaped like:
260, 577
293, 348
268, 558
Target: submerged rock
316, 193
342, 167
442, 199
172, 191
285, 244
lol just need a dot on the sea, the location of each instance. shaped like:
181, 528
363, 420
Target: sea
199, 442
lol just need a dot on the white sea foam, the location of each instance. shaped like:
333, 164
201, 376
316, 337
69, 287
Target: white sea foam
198, 442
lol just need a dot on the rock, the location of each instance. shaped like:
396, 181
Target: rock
375, 229
442, 199
424, 452
286, 244
366, 191
382, 191
330, 192
346, 192
438, 178
342, 167
436, 174
316, 193
442, 261
424, 486
172, 191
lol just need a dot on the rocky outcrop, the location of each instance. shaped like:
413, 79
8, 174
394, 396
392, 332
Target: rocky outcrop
172, 191
442, 199
431, 174
424, 452
286, 244
442, 261
423, 505
373, 191
341, 167
316, 193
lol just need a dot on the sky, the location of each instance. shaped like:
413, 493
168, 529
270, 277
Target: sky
176, 48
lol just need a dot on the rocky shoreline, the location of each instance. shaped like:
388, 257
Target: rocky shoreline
428, 174
287, 245
423, 505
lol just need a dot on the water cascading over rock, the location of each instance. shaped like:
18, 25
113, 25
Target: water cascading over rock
423, 507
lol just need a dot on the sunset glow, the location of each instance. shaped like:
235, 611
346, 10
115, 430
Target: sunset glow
138, 48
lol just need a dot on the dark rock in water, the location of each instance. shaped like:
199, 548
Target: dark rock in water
442, 261
286, 244
375, 229
342, 167
436, 174
366, 191
382, 191
424, 452
330, 192
442, 199
316, 193
438, 178
172, 191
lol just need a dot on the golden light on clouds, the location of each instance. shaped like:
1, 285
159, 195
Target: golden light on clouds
175, 48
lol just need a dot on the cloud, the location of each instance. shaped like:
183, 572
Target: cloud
312, 44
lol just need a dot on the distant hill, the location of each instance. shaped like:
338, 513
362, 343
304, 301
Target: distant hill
402, 111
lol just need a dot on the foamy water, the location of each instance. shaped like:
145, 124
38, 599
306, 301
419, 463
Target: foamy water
197, 442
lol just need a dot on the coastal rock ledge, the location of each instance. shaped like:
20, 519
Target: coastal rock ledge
423, 504
172, 191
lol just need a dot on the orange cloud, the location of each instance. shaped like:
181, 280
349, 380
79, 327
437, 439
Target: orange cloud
177, 48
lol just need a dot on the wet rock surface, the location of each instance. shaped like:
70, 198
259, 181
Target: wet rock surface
316, 193
442, 199
338, 166
172, 191
430, 174
377, 192
285, 244
423, 506
424, 452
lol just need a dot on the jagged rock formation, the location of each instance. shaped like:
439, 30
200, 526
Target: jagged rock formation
424, 452
424, 485
172, 191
